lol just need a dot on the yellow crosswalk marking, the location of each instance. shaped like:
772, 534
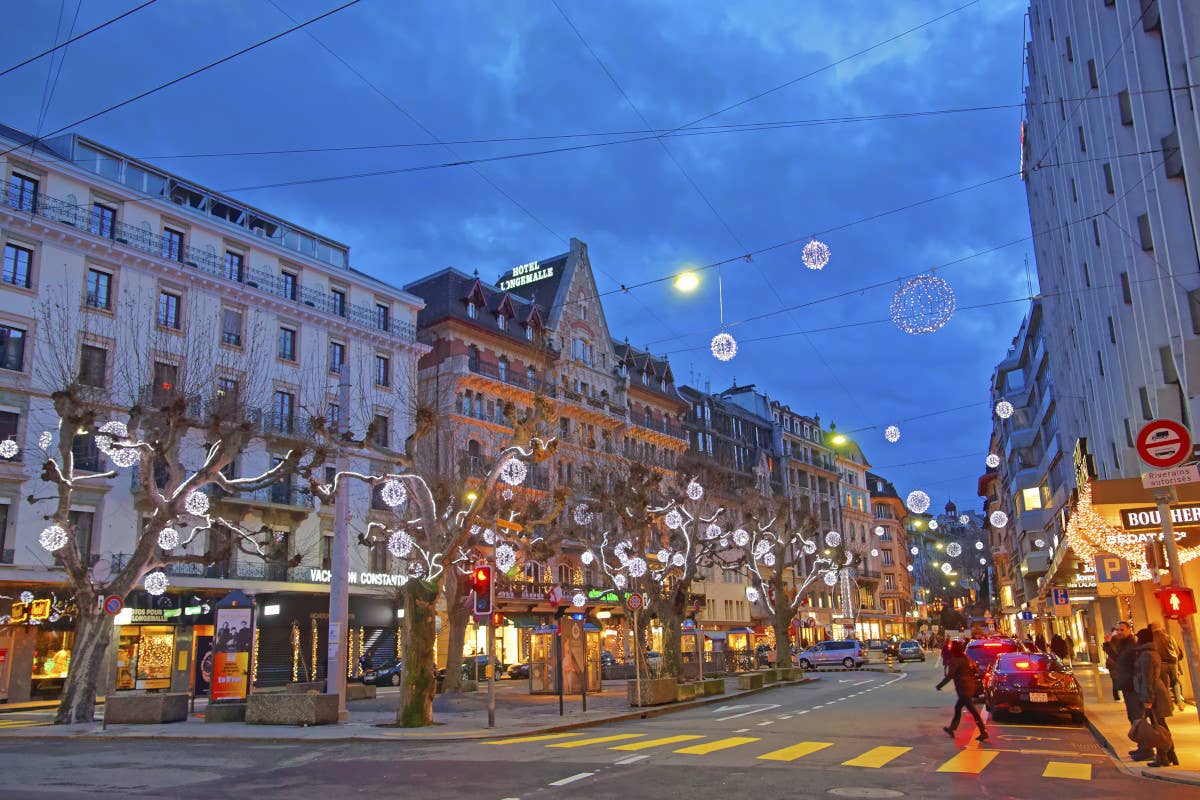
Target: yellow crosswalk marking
1067, 769
541, 738
795, 751
598, 740
876, 757
656, 742
969, 761
21, 723
719, 744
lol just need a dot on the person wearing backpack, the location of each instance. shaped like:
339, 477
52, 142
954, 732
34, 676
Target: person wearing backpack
965, 675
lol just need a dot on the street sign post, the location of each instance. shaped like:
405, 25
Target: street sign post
1112, 577
1164, 443
1061, 598
1027, 616
634, 601
113, 605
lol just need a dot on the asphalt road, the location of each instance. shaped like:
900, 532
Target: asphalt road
853, 734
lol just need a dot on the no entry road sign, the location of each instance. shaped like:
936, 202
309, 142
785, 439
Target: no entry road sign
1164, 443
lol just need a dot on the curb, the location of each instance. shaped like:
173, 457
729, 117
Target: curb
1135, 771
646, 713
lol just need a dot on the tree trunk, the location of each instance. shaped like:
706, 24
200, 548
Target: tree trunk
93, 631
672, 641
457, 597
420, 634
782, 621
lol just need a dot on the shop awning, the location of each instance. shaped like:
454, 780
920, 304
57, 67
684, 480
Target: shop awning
740, 630
718, 636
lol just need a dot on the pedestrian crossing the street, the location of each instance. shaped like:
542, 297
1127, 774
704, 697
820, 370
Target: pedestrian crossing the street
971, 760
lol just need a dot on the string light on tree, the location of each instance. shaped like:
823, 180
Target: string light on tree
933, 524
833, 539
723, 346
815, 254
513, 472
506, 557
196, 504
53, 538
892, 434
922, 305
694, 490
168, 538
9, 449
954, 549
393, 493
992, 460
1004, 409
998, 519
155, 583
917, 502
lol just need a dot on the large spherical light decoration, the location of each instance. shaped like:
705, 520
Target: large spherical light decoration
124, 457
874, 553
506, 557
979, 545
583, 515
9, 449
723, 346
673, 519
489, 536
815, 254
992, 461
586, 557
752, 594
393, 493
53, 538
914, 550
196, 504
636, 567
27, 597
579, 599
400, 544
833, 539
620, 580
830, 578
917, 502
933, 524
713, 531
922, 305
1039, 543
768, 559
947, 568
168, 538
663, 556
879, 530
998, 519
694, 490
740, 537
1004, 409
677, 560
810, 548
513, 472
155, 583
964, 519
954, 549
892, 434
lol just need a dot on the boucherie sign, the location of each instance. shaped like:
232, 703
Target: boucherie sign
1146, 519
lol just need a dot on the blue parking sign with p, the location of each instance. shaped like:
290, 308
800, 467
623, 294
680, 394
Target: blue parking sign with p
1062, 597
1111, 569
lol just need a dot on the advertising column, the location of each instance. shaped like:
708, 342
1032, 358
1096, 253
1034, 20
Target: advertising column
233, 640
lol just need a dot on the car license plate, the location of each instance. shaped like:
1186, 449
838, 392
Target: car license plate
1039, 697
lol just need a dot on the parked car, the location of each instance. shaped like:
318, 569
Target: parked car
844, 652
1019, 682
519, 671
388, 675
910, 650
475, 667
607, 659
879, 645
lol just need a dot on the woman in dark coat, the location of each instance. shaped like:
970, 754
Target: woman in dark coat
962, 671
1150, 689
1058, 646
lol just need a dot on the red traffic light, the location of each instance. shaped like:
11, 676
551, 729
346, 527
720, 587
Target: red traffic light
482, 575
497, 619
1176, 602
481, 584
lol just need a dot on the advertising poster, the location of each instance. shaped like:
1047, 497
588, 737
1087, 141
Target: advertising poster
572, 655
202, 676
232, 642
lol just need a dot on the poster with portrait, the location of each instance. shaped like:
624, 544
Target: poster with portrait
233, 638
572, 655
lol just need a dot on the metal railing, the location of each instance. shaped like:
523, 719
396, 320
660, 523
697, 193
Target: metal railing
208, 261
512, 377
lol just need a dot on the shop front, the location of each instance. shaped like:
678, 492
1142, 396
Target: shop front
161, 643
37, 633
575, 654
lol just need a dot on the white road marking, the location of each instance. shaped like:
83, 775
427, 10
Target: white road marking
766, 707
768, 722
631, 759
741, 730
868, 680
814, 708
576, 777
785, 716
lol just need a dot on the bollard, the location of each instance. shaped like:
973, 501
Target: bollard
889, 661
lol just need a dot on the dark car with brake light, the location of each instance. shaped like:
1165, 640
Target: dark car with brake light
1019, 682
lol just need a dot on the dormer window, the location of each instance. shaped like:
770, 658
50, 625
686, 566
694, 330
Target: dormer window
502, 322
472, 311
662, 384
645, 379
529, 333
622, 370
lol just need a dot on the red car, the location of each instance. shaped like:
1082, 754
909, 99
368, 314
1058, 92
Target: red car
1020, 682
984, 653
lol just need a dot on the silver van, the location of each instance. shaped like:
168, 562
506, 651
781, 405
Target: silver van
846, 653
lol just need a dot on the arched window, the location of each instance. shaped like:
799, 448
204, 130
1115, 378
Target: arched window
533, 572
502, 321
529, 333
564, 574
472, 311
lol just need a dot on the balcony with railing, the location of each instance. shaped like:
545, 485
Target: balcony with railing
208, 261
513, 377
240, 570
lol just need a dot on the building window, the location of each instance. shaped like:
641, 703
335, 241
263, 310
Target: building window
333, 416
227, 393
337, 356
502, 322
83, 522
93, 366
287, 344
18, 263
166, 378
381, 437
99, 289
287, 284
284, 412
231, 327
502, 368
5, 551
9, 421
168, 310
383, 317
103, 221
529, 333
22, 193
337, 301
887, 557
383, 371
172, 244
1126, 292
235, 266
84, 453
564, 575
472, 312
12, 348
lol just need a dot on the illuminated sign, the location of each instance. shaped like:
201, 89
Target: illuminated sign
360, 578
1147, 519
525, 274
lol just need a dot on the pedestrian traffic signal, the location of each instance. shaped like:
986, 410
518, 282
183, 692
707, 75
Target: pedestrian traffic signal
1176, 602
481, 584
497, 619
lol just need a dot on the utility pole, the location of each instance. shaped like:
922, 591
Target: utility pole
1164, 497
339, 561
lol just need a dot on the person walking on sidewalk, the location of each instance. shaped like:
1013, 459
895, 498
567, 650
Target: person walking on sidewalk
1110, 654
1153, 693
1058, 646
1171, 655
1123, 668
965, 675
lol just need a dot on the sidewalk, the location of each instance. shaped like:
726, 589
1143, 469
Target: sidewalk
1108, 722
455, 718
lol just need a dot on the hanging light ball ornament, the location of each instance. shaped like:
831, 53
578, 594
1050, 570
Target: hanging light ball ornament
983, 562
489, 536
1004, 409
830, 578
673, 519
196, 504
124, 457
400, 544
922, 305
1039, 543
579, 599
663, 556
954, 549
506, 557
678, 560
723, 346
507, 494
53, 538
998, 519
168, 538
9, 449
992, 461
45, 440
713, 531
740, 537
752, 594
909, 567
27, 597
892, 434
416, 570
874, 553
694, 490
810, 548
947, 568
914, 550
964, 519
583, 515
815, 254
155, 583
979, 545
636, 567
619, 580
769, 559
586, 557
833, 539
917, 502
933, 524
879, 531
513, 472
393, 493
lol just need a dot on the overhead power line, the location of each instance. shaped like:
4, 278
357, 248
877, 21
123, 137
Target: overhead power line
76, 38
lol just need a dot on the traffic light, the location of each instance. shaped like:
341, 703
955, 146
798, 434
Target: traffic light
1176, 602
481, 584
497, 619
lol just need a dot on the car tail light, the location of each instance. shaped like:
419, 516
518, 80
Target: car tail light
993, 644
1023, 664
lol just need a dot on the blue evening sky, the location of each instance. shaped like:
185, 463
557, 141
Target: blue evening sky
466, 70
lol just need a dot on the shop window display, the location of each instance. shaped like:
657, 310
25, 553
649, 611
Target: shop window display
51, 660
144, 656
